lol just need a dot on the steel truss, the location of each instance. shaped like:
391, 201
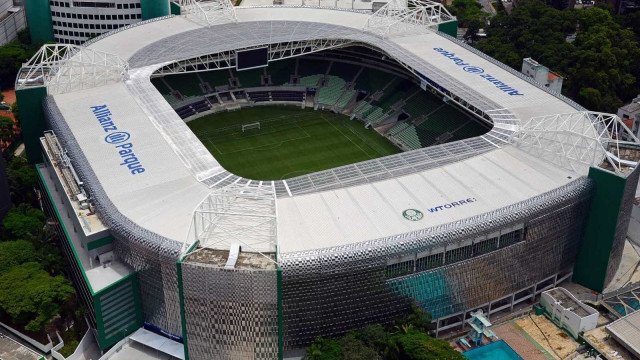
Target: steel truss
227, 59
63, 68
238, 214
209, 12
580, 139
397, 18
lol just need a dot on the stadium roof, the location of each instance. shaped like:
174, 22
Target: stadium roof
315, 210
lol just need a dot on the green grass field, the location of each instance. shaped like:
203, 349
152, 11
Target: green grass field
290, 142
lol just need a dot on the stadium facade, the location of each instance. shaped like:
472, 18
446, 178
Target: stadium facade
160, 235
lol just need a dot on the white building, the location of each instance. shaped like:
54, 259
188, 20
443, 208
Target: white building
630, 115
568, 312
12, 20
76, 22
542, 74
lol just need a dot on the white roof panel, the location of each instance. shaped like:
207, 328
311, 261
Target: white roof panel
164, 197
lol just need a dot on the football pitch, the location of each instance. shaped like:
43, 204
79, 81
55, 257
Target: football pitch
290, 141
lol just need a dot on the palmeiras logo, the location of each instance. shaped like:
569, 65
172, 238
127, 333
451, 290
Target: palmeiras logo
413, 214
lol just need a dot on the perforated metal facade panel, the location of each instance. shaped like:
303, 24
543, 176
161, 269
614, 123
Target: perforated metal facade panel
230, 314
331, 291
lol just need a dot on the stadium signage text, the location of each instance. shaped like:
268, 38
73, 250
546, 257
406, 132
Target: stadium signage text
416, 215
451, 205
479, 71
119, 139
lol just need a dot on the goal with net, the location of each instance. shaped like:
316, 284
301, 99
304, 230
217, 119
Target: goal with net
255, 125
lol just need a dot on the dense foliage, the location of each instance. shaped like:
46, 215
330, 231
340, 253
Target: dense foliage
470, 15
405, 340
600, 66
30, 259
12, 55
38, 298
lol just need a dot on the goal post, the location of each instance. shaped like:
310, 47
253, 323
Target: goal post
254, 125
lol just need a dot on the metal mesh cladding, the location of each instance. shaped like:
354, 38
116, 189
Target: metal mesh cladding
154, 256
330, 291
624, 217
230, 314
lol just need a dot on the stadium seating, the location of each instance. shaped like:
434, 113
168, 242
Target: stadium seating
161, 86
216, 77
186, 84
371, 80
281, 71
423, 119
344, 70
311, 80
308, 67
331, 91
287, 95
345, 99
422, 103
249, 78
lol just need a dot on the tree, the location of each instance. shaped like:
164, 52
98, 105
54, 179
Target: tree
468, 11
6, 129
418, 318
324, 349
416, 345
599, 66
37, 299
355, 349
22, 178
14, 253
25, 222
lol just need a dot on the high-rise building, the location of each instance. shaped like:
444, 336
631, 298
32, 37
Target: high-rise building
76, 21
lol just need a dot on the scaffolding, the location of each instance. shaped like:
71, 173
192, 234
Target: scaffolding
579, 140
66, 68
208, 12
398, 18
237, 214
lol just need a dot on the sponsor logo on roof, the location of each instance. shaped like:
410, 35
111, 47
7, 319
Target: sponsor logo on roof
471, 69
416, 215
119, 139
413, 214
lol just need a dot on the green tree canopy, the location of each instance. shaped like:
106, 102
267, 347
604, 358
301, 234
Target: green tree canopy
417, 345
14, 253
6, 128
25, 222
22, 179
406, 340
37, 298
600, 67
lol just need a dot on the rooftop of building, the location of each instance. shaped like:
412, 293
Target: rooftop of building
322, 209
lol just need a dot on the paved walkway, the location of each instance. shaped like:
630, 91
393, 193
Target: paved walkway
518, 342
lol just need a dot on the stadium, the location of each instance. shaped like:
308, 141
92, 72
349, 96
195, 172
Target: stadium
243, 181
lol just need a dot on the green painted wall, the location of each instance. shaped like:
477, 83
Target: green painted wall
154, 8
32, 120
449, 28
118, 310
39, 20
183, 320
594, 255
175, 8
99, 243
